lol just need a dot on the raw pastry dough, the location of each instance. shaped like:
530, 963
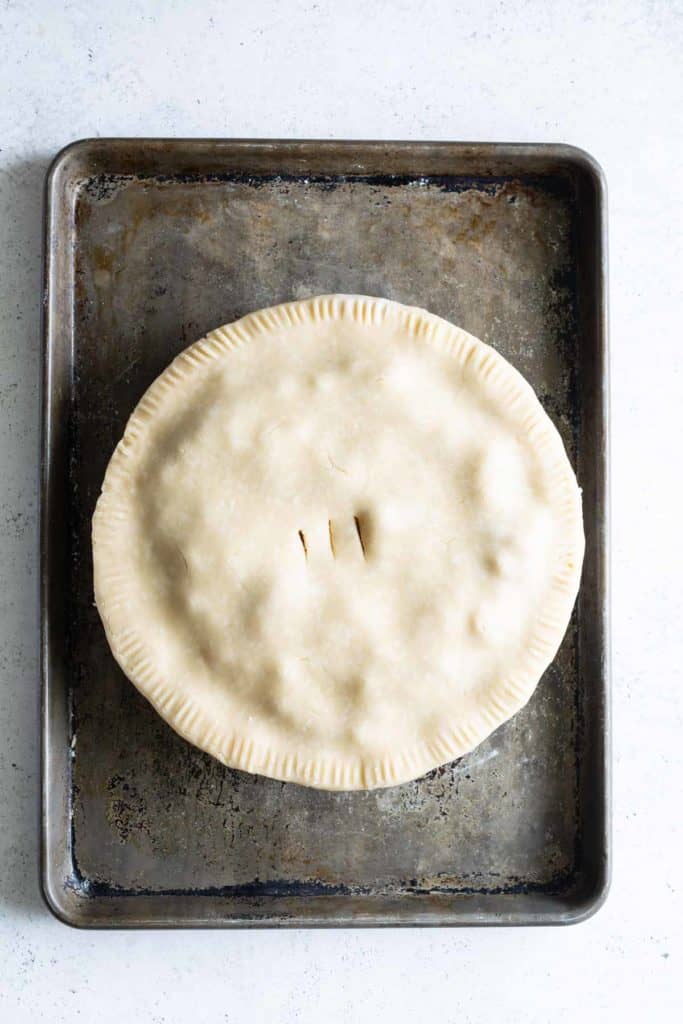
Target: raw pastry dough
338, 544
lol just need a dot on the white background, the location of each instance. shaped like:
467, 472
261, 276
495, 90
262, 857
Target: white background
603, 76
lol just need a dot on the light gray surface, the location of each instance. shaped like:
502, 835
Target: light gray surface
601, 76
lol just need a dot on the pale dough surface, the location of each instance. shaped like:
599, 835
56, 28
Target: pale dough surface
338, 543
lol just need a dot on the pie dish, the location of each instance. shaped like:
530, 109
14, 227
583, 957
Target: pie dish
338, 543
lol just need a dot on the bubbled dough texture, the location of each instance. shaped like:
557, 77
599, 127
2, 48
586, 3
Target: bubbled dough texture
253, 585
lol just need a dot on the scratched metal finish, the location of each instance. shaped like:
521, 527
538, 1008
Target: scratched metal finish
157, 262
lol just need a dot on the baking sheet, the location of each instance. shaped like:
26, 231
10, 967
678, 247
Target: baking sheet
149, 244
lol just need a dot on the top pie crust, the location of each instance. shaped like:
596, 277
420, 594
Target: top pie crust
338, 544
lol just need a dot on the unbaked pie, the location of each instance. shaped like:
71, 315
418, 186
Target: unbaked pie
338, 544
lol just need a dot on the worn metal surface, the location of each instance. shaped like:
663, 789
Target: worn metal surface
149, 245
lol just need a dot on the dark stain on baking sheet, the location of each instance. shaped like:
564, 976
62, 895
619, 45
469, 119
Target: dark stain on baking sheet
158, 260
104, 186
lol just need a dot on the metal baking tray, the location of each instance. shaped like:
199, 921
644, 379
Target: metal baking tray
150, 243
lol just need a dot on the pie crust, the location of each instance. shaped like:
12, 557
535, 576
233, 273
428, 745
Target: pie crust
338, 543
